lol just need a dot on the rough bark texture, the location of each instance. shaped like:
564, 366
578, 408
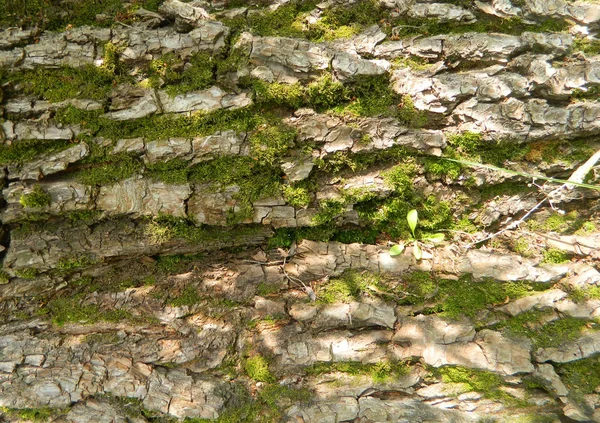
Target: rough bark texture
199, 199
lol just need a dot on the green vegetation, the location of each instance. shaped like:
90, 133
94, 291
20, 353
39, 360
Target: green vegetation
297, 195
257, 369
88, 82
348, 287
455, 298
556, 256
198, 73
37, 198
379, 372
582, 376
72, 310
487, 383
26, 150
49, 15
34, 414
583, 294
70, 263
470, 146
108, 170
587, 45
266, 407
269, 143
188, 297
566, 224
535, 326
412, 218
29, 273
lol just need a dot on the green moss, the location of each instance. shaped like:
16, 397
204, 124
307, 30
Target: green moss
400, 178
379, 372
87, 82
555, 256
254, 179
544, 335
29, 273
415, 63
279, 94
174, 171
583, 294
74, 262
467, 297
188, 297
263, 289
257, 369
582, 376
296, 195
348, 287
269, 144
114, 169
587, 45
37, 198
556, 222
487, 383
4, 277
591, 93
26, 150
198, 73
34, 414
49, 15
72, 310
328, 211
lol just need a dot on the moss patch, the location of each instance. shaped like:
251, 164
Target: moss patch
257, 369
581, 376
37, 198
52, 15
379, 372
544, 335
350, 286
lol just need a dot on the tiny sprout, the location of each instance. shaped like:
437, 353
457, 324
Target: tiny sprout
412, 217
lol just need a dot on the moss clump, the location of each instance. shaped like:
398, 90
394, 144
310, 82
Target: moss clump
108, 170
487, 383
587, 45
297, 195
88, 82
582, 376
75, 262
37, 198
72, 310
197, 73
270, 143
188, 297
174, 171
29, 273
254, 180
543, 334
322, 94
26, 150
257, 369
556, 222
555, 256
379, 372
350, 286
589, 293
49, 15
34, 414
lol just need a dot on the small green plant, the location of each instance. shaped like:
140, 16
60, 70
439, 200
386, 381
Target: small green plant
413, 219
37, 198
257, 368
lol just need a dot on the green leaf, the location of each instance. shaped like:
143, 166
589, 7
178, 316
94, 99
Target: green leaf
435, 238
396, 250
412, 217
417, 251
